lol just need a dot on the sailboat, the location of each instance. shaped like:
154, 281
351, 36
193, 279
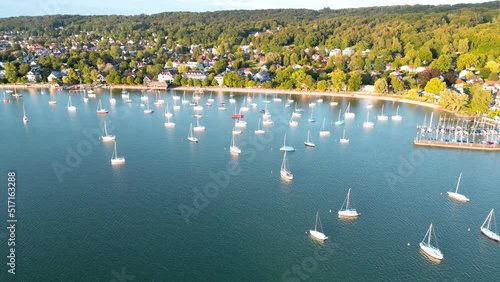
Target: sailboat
457, 196
25, 118
167, 114
198, 127
323, 131
340, 121
309, 142
397, 116
286, 148
5, 100
236, 114
176, 107
344, 140
52, 102
244, 108
348, 113
368, 123
71, 108
91, 93
346, 210
125, 94
233, 148
284, 172
100, 110
148, 110
107, 137
240, 123
115, 159
210, 99
428, 248
293, 123
259, 130
486, 227
236, 131
184, 101
169, 123
290, 100
111, 99
382, 116
266, 114
333, 102
191, 137
85, 98
158, 102
311, 119
175, 97
315, 233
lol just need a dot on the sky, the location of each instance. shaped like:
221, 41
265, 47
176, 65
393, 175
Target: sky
10, 8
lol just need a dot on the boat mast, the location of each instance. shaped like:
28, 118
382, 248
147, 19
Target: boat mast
348, 195
316, 225
456, 190
430, 235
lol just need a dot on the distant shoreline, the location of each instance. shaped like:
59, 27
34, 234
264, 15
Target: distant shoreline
357, 95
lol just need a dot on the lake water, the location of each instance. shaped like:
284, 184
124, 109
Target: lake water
180, 211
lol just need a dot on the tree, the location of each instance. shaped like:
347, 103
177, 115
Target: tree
220, 66
413, 93
10, 72
493, 76
381, 86
182, 68
273, 58
453, 100
354, 82
397, 84
434, 86
443, 63
481, 99
466, 61
24, 69
322, 85
425, 54
338, 79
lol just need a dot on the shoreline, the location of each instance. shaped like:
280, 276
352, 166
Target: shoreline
357, 95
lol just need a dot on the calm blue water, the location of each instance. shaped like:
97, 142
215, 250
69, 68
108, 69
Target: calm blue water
149, 220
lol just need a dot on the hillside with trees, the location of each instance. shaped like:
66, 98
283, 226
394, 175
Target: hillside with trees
326, 50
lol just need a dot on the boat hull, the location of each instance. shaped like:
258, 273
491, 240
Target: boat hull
286, 175
169, 124
458, 197
235, 150
317, 235
309, 144
490, 234
431, 252
193, 139
108, 138
117, 161
344, 141
324, 133
348, 213
259, 131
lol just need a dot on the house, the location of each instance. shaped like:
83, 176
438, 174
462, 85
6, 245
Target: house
219, 78
101, 77
2, 74
262, 76
408, 68
54, 75
148, 78
167, 76
32, 76
195, 75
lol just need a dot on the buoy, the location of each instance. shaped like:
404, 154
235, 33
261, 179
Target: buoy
408, 243
330, 210
469, 229
441, 193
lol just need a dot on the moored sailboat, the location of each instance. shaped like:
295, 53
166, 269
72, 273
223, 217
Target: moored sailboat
397, 116
346, 210
344, 140
315, 233
486, 228
286, 148
348, 113
382, 116
71, 108
309, 142
191, 137
428, 248
457, 196
233, 148
284, 172
100, 110
115, 159
323, 131
107, 137
259, 130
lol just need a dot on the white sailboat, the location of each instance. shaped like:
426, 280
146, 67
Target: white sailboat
167, 114
348, 113
340, 121
111, 99
115, 159
71, 108
286, 148
184, 101
346, 210
333, 102
91, 93
293, 123
100, 110
382, 116
233, 148
259, 130
284, 172
125, 94
52, 102
210, 99
85, 98
486, 228
107, 137
176, 107
236, 131
397, 116
428, 248
198, 126
240, 123
315, 233
323, 131
457, 196
148, 110
344, 140
169, 123
368, 123
25, 118
311, 118
191, 137
309, 142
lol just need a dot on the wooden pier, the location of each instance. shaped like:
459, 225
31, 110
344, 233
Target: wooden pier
457, 145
